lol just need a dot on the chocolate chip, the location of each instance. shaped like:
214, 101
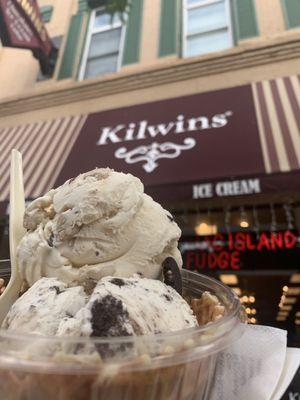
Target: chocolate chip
170, 217
118, 282
56, 288
171, 273
97, 253
69, 315
167, 297
50, 240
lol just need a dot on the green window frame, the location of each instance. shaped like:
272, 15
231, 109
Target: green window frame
191, 38
78, 29
291, 12
110, 26
242, 17
169, 36
46, 13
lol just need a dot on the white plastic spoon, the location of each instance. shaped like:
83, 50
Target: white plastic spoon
16, 232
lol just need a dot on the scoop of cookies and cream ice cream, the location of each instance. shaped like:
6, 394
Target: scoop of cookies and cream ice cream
44, 306
116, 307
98, 224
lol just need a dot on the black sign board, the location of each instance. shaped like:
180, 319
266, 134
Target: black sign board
242, 251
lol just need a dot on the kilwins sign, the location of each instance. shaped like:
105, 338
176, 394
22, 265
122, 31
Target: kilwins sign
150, 155
190, 138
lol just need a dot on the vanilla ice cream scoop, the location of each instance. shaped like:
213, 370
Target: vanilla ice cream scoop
99, 224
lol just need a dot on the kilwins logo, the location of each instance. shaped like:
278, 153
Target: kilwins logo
149, 155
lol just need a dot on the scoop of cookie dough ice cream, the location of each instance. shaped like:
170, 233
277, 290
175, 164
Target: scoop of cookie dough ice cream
99, 224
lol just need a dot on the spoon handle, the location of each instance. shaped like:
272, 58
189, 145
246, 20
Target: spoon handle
17, 208
16, 232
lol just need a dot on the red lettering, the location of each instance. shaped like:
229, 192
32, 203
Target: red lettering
230, 241
263, 242
276, 240
212, 261
216, 245
223, 260
250, 245
201, 260
190, 259
240, 243
235, 260
290, 240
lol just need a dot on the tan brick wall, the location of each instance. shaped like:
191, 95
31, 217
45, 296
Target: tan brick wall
19, 69
18, 72
150, 36
270, 17
62, 9
164, 91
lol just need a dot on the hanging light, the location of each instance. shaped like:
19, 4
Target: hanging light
294, 291
229, 279
203, 229
281, 319
251, 299
295, 278
244, 221
244, 224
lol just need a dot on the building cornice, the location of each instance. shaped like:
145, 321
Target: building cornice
242, 57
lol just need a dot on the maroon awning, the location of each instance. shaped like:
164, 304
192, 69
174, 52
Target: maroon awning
242, 140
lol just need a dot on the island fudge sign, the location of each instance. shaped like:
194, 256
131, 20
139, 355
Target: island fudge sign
186, 139
241, 250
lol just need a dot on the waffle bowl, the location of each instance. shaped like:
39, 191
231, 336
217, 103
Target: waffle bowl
179, 365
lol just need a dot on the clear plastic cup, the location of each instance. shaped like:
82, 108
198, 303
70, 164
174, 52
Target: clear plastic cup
178, 366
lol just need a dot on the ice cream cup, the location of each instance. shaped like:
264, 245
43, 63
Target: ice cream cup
179, 365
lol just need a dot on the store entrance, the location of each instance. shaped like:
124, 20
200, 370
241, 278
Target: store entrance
255, 249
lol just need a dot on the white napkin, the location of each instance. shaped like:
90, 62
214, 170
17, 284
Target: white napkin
253, 367
291, 365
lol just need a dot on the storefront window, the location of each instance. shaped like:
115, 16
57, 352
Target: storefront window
254, 249
104, 43
207, 26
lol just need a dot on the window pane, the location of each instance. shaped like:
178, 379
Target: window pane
207, 18
103, 19
101, 66
198, 2
105, 43
207, 43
